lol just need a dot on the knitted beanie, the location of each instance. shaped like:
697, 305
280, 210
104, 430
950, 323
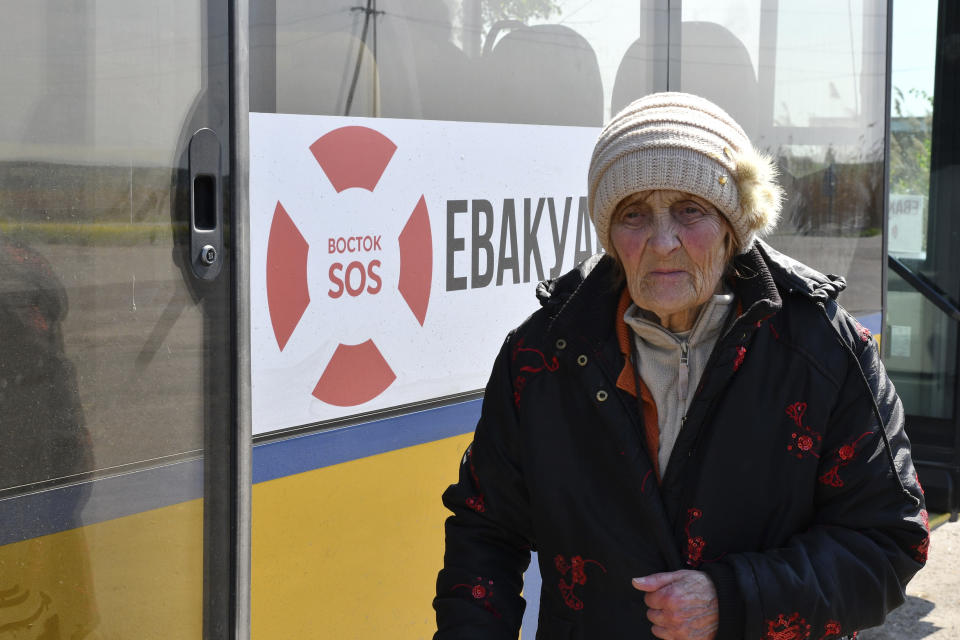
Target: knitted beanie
685, 143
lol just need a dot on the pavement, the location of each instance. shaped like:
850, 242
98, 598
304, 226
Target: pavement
932, 607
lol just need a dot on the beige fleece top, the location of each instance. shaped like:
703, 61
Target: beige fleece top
670, 364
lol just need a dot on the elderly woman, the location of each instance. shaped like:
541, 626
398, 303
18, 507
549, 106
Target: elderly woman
692, 433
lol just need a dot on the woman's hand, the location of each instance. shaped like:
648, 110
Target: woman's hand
682, 605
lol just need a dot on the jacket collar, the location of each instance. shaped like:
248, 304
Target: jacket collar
793, 275
755, 287
585, 300
707, 326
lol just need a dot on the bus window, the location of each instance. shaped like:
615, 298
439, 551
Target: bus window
539, 62
806, 81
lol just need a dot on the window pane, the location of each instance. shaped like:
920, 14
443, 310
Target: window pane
920, 346
102, 342
543, 62
806, 81
921, 343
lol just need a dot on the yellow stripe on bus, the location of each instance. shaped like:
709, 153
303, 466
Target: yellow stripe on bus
140, 576
346, 551
352, 550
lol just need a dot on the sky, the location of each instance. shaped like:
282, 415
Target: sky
914, 50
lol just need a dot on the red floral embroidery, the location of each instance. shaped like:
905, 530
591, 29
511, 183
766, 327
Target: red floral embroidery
578, 575
540, 364
17, 253
796, 411
921, 549
518, 386
643, 486
776, 336
474, 502
741, 352
865, 334
804, 440
832, 477
550, 365
37, 319
843, 456
832, 628
787, 628
20, 255
695, 544
480, 591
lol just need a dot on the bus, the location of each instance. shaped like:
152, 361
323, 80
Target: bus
257, 257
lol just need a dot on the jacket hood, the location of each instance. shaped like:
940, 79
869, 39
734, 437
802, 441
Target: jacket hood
793, 275
551, 292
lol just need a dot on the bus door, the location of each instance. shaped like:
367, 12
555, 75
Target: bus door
118, 475
923, 284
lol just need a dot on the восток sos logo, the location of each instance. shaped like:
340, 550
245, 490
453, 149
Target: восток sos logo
367, 274
389, 257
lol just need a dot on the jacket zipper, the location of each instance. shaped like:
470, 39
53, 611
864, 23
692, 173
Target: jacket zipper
683, 378
717, 347
687, 492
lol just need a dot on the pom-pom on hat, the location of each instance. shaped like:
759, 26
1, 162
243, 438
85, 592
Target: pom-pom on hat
685, 143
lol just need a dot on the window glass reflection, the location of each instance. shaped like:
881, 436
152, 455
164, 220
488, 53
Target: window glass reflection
911, 124
94, 102
921, 343
806, 80
101, 342
45, 433
542, 62
920, 349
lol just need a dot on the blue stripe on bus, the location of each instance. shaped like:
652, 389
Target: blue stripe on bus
63, 508
325, 448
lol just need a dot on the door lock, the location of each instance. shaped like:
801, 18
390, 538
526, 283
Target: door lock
208, 255
206, 206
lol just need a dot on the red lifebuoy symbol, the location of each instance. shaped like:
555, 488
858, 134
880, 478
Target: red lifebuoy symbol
350, 157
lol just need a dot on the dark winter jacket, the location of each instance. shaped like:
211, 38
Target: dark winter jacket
790, 484
45, 436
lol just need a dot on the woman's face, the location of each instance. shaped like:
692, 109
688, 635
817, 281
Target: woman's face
673, 248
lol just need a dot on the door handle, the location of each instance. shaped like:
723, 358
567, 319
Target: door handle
206, 205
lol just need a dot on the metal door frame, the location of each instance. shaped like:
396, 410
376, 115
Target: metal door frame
936, 442
239, 169
228, 457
